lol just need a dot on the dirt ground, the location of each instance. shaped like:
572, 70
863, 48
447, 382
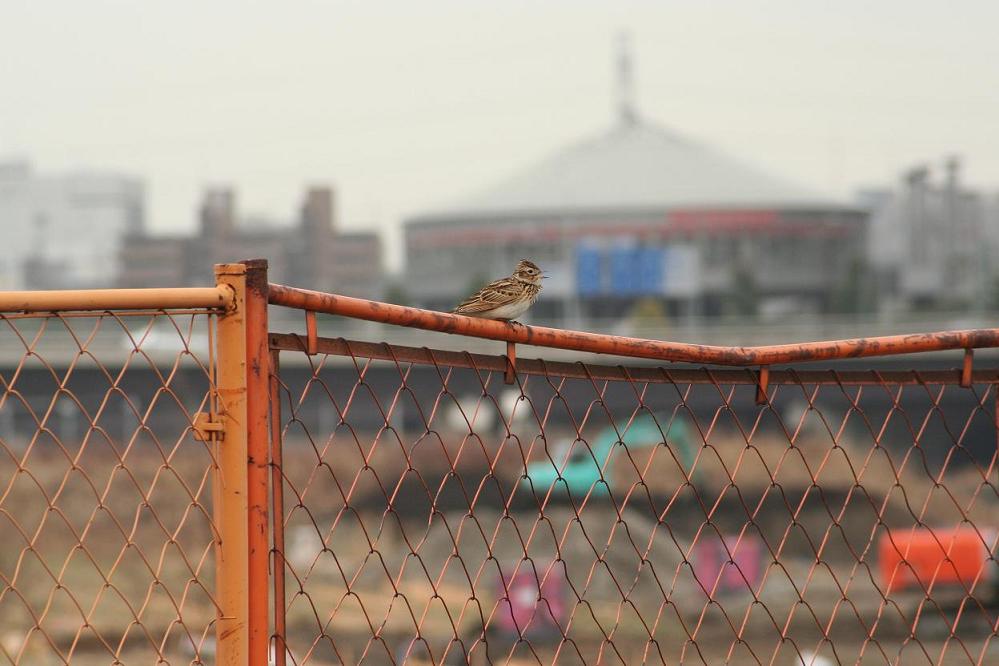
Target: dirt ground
420, 548
378, 555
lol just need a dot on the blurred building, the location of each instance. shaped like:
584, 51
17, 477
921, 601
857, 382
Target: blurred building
931, 242
65, 229
311, 253
640, 213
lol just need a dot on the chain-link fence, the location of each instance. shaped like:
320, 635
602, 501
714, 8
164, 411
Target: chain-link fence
449, 507
178, 486
105, 498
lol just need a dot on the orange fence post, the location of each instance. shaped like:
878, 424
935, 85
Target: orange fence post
277, 493
258, 359
230, 482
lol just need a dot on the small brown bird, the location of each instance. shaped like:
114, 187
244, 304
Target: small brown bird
506, 298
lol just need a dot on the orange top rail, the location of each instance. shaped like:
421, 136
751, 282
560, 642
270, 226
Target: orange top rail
541, 336
115, 299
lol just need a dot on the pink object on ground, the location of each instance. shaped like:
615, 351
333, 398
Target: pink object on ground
536, 603
728, 564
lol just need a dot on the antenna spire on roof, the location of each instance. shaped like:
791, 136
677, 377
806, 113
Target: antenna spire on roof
625, 81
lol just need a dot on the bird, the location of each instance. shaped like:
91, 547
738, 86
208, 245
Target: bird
507, 298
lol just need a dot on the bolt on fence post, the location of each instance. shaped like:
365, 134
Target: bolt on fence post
258, 360
230, 507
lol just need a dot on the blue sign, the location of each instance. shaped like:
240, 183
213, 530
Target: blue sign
649, 267
620, 271
589, 278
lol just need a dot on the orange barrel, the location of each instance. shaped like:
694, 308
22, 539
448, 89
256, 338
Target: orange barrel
927, 558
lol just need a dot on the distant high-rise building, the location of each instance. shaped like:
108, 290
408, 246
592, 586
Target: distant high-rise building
311, 252
218, 213
65, 229
930, 240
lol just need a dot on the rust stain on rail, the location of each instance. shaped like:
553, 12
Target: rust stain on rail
541, 336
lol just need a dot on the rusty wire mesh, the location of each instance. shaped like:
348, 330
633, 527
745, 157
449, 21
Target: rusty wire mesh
587, 514
105, 498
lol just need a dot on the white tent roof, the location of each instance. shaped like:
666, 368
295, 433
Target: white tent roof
636, 166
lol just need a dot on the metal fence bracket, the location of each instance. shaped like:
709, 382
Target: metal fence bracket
311, 333
762, 385
510, 376
969, 360
208, 428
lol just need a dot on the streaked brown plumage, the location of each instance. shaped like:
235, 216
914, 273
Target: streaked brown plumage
506, 298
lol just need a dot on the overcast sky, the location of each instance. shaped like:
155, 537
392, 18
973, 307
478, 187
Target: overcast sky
404, 105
